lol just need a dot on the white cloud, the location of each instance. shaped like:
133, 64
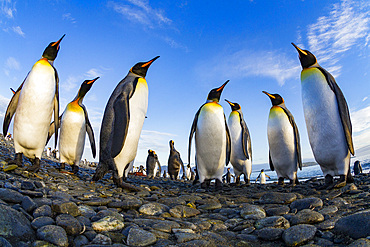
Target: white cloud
70, 83
12, 63
245, 63
8, 8
155, 140
18, 30
68, 17
361, 127
93, 73
3, 105
139, 11
347, 25
365, 98
175, 44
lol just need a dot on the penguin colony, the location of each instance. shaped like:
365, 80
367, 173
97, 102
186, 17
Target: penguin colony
217, 141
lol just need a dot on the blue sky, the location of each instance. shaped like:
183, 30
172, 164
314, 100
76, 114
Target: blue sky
202, 44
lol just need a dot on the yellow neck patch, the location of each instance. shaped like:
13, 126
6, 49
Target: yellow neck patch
275, 110
306, 73
74, 106
141, 83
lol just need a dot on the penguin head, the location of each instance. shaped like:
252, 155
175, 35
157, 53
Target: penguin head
172, 143
306, 57
234, 106
85, 87
215, 94
142, 67
51, 52
276, 99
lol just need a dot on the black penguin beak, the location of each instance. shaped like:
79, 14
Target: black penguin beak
270, 95
58, 42
222, 86
147, 64
92, 81
300, 51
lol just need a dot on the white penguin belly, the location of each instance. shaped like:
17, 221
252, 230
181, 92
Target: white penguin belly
281, 144
34, 110
72, 136
238, 159
324, 126
210, 142
138, 105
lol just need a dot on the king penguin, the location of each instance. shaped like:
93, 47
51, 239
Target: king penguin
74, 124
283, 139
152, 164
34, 102
328, 121
212, 140
174, 162
121, 125
241, 145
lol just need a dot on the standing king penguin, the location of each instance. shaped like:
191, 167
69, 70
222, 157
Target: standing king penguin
284, 143
328, 121
121, 125
241, 145
174, 162
34, 102
152, 164
74, 123
212, 140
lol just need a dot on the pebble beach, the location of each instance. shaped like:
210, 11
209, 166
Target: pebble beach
56, 208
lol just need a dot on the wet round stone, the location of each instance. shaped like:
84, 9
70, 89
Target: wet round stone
4, 242
9, 195
98, 202
362, 242
209, 204
28, 185
273, 221
252, 212
270, 233
328, 210
101, 239
165, 226
172, 201
181, 211
153, 208
306, 216
190, 198
70, 224
44, 210
277, 198
277, 211
53, 234
182, 237
306, 203
104, 213
28, 204
356, 225
86, 211
42, 221
80, 240
126, 204
139, 237
62, 207
109, 223
299, 234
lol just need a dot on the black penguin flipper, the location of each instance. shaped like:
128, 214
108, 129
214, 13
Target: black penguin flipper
90, 132
342, 107
56, 107
120, 123
270, 163
297, 141
193, 129
246, 139
52, 129
10, 110
228, 143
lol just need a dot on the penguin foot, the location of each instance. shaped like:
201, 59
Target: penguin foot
17, 160
329, 183
247, 181
281, 181
350, 178
75, 169
35, 167
218, 185
119, 182
237, 181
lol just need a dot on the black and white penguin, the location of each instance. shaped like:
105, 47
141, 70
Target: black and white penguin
328, 120
283, 139
122, 123
174, 162
212, 140
34, 102
152, 164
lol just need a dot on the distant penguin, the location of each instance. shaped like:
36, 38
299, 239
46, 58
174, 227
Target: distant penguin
174, 162
34, 101
241, 145
357, 168
212, 140
328, 120
74, 124
152, 164
48, 152
283, 139
122, 123
187, 172
262, 176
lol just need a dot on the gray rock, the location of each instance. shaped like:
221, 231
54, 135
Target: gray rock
42, 221
9, 195
14, 226
326, 225
28, 185
166, 226
4, 242
153, 208
86, 211
108, 223
355, 225
190, 198
209, 204
53, 234
101, 239
80, 240
182, 237
328, 210
63, 207
299, 234
277, 198
126, 204
42, 201
104, 213
252, 212
172, 201
270, 233
28, 204
277, 211
139, 237
306, 203
181, 211
273, 221
98, 202
84, 221
306, 216
44, 210
362, 242
70, 224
